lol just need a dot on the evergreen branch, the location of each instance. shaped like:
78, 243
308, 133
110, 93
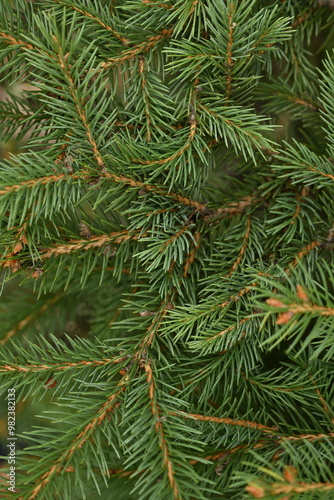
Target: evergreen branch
153, 329
323, 403
243, 247
237, 207
317, 171
87, 14
141, 48
31, 317
302, 18
274, 388
78, 104
190, 139
305, 251
229, 54
150, 3
80, 439
168, 464
307, 437
260, 443
175, 236
291, 309
59, 366
141, 66
33, 182
300, 101
229, 329
257, 490
192, 254
117, 237
10, 40
227, 421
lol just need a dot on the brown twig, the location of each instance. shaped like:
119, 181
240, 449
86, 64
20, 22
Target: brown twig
168, 464
141, 48
227, 421
29, 368
121, 38
31, 317
80, 439
192, 254
229, 55
243, 248
141, 66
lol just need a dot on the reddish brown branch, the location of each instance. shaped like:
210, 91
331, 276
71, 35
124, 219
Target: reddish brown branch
191, 137
306, 250
227, 421
322, 399
156, 4
141, 65
229, 58
258, 490
243, 248
299, 309
168, 464
121, 38
61, 366
229, 329
94, 242
302, 102
192, 254
80, 439
141, 48
31, 317
40, 180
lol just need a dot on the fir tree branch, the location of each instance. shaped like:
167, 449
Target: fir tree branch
292, 309
192, 254
31, 317
227, 421
300, 101
323, 403
274, 388
229, 54
33, 182
153, 329
117, 237
10, 40
141, 67
60, 366
150, 3
229, 329
305, 251
257, 490
80, 439
168, 464
243, 247
79, 105
121, 38
141, 48
190, 139
307, 437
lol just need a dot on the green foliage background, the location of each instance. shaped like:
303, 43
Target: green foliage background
167, 248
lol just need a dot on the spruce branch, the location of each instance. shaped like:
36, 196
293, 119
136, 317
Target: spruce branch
21, 325
229, 421
141, 48
94, 18
103, 412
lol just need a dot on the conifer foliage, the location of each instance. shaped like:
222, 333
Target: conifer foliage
167, 247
